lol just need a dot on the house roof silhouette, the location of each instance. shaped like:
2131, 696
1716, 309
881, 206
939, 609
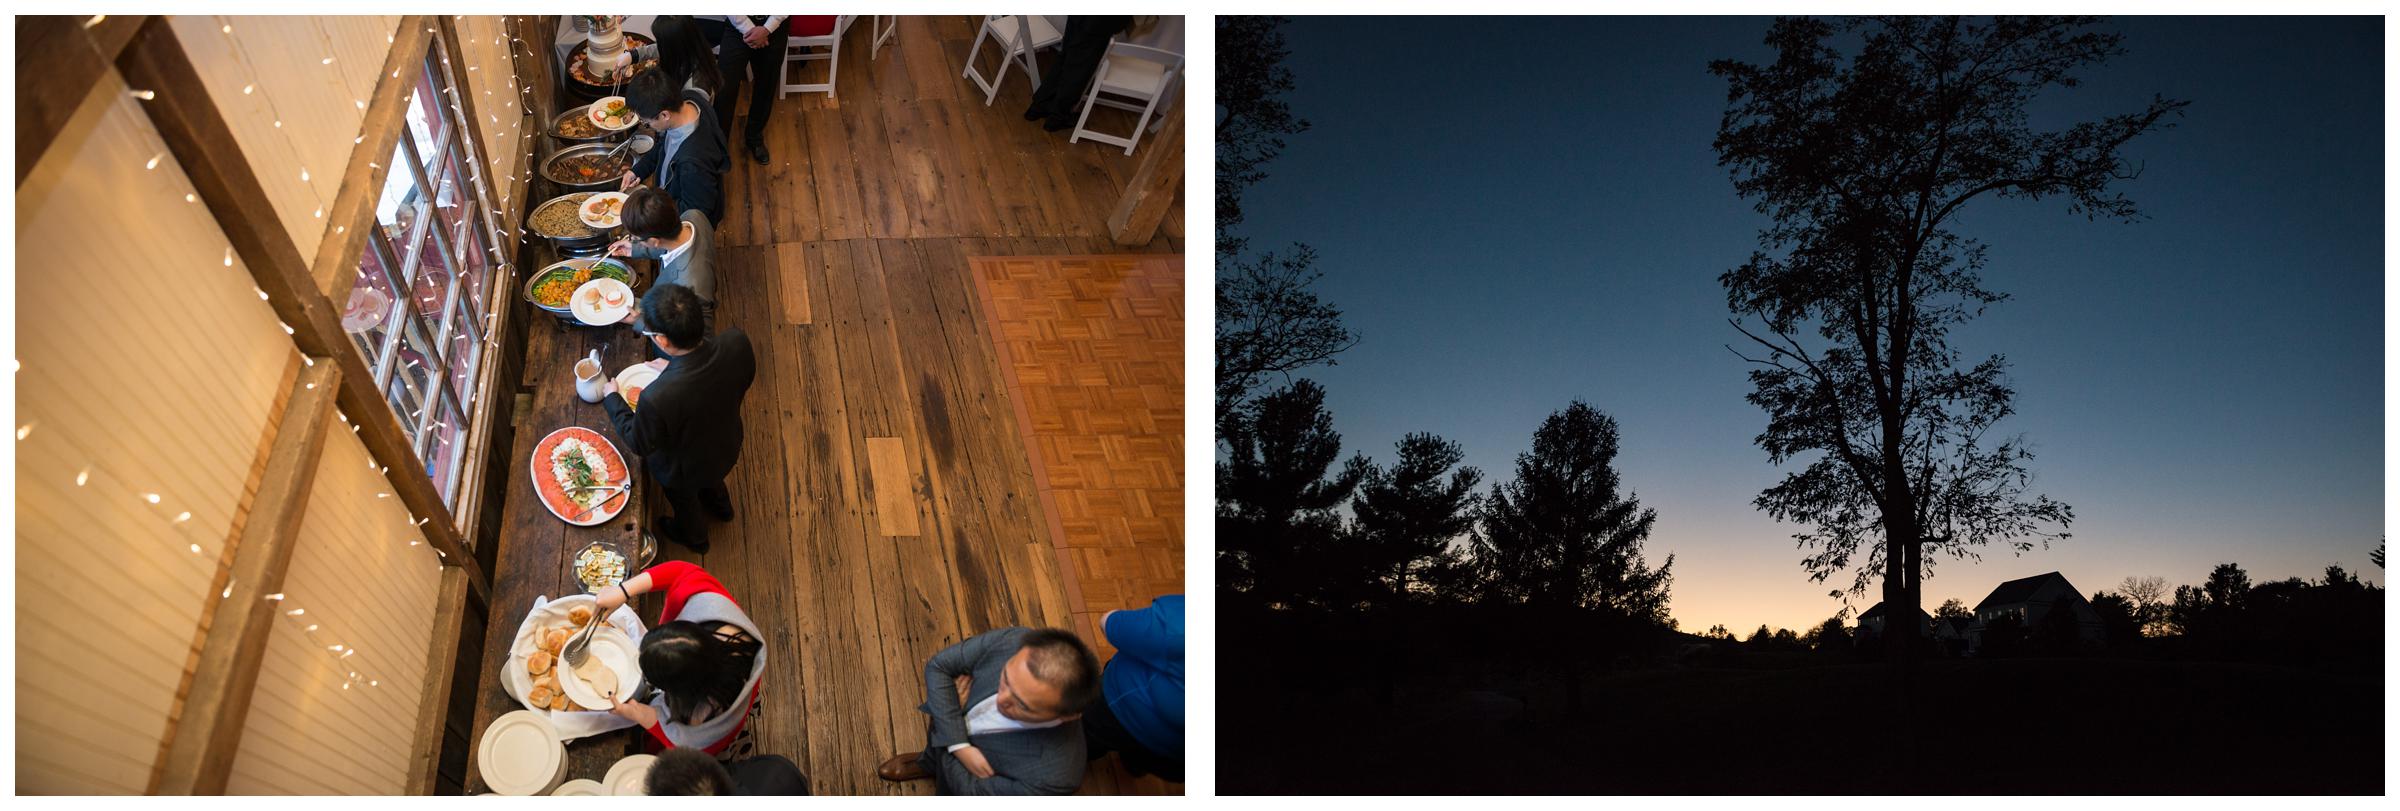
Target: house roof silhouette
2020, 590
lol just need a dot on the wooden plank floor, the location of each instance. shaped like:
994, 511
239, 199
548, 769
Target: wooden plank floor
885, 502
1091, 349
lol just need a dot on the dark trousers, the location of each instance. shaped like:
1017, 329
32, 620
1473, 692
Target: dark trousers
1102, 734
1079, 50
689, 523
763, 65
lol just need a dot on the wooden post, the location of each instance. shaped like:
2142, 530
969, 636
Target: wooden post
196, 134
433, 707
200, 754
1154, 185
353, 209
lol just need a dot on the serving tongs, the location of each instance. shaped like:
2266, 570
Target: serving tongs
621, 489
579, 649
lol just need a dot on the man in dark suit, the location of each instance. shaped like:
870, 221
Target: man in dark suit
688, 159
1013, 727
688, 428
748, 47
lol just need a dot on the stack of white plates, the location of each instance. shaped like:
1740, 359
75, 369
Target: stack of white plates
581, 788
521, 755
626, 778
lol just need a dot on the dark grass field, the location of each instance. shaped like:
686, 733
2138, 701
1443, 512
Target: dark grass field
2032, 726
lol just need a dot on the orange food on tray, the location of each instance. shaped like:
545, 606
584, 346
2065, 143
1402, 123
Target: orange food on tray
570, 466
633, 396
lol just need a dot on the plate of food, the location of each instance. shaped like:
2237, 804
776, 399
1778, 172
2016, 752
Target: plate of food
581, 477
633, 380
611, 113
602, 301
604, 210
538, 675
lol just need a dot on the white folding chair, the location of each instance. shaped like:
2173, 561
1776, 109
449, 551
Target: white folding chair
831, 56
1128, 74
883, 27
1018, 36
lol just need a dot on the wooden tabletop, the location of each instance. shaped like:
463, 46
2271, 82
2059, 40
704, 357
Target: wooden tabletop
536, 548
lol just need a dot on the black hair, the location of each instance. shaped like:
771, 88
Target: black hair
673, 310
1061, 660
695, 667
651, 93
683, 53
651, 213
684, 772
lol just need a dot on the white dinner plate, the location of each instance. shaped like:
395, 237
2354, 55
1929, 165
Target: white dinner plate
591, 302
601, 121
625, 778
639, 374
614, 651
614, 219
520, 754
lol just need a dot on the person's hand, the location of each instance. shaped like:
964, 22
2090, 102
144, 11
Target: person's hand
963, 684
660, 364
609, 598
630, 315
647, 716
622, 247
971, 758
757, 38
628, 181
608, 387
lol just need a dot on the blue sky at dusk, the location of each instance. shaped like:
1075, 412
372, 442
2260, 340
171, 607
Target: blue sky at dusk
1539, 217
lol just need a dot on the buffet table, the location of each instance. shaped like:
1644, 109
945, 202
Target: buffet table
536, 548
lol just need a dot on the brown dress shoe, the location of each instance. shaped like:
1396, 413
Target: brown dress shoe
903, 767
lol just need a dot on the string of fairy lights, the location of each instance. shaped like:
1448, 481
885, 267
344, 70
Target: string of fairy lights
344, 657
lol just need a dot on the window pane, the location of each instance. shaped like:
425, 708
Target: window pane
430, 293
442, 454
416, 367
463, 351
401, 207
372, 301
426, 123
404, 402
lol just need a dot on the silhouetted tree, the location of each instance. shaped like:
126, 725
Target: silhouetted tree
1275, 501
1404, 519
1953, 609
2118, 623
1830, 635
1863, 162
2210, 612
1252, 115
1269, 320
1559, 534
2377, 555
1761, 638
1786, 640
2152, 601
1718, 632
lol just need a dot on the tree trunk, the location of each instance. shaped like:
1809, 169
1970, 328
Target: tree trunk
1901, 589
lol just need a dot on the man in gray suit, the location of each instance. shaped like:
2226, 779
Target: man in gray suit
1002, 713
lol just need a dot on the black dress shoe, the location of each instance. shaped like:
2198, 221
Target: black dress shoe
1054, 125
758, 151
1034, 113
659, 528
719, 505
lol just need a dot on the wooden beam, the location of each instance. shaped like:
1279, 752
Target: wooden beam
353, 211
57, 67
196, 134
209, 732
433, 708
1154, 185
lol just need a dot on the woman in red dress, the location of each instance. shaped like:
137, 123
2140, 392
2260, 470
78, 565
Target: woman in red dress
703, 658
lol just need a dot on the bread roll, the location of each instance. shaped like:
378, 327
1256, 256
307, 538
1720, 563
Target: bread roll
579, 615
556, 639
539, 663
558, 701
541, 697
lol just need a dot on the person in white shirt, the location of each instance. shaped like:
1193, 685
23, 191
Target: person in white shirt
1013, 726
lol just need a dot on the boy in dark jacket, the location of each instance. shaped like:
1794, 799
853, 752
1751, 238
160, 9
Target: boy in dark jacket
688, 161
